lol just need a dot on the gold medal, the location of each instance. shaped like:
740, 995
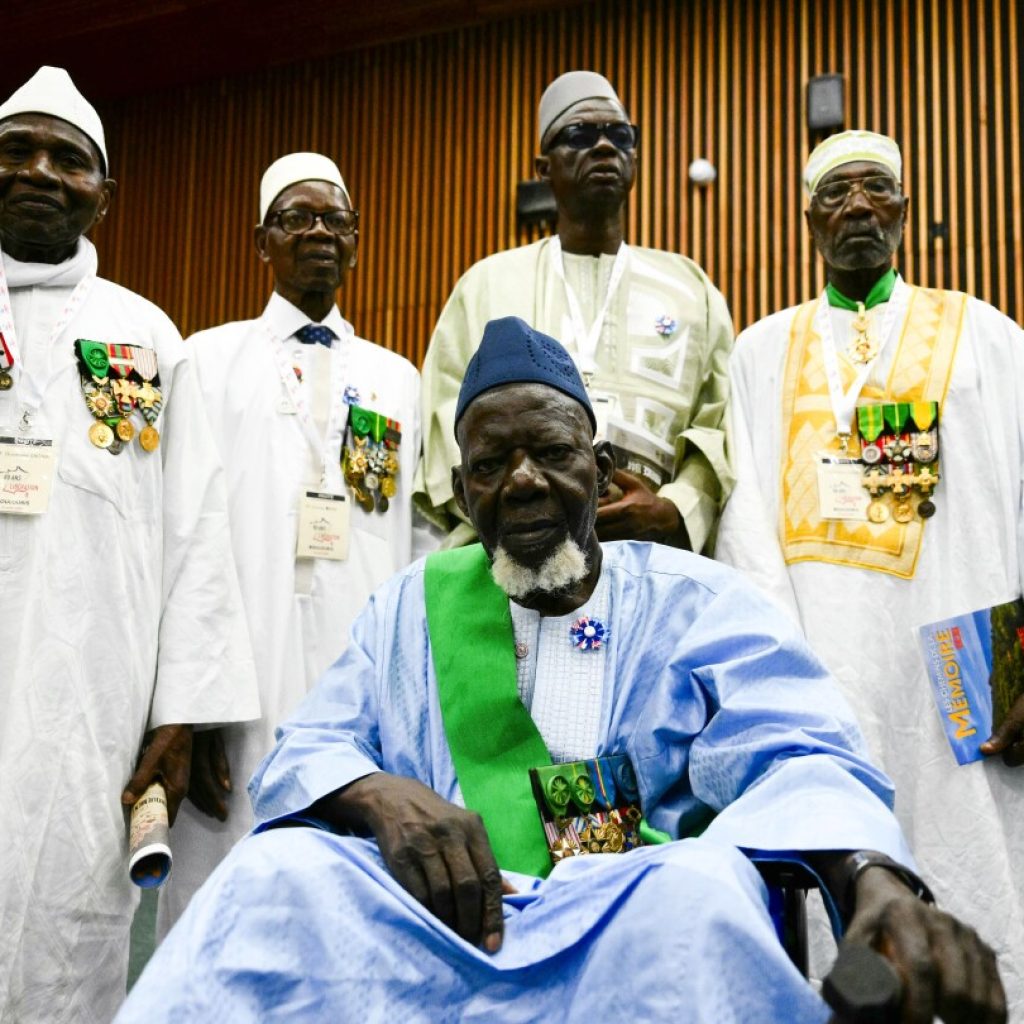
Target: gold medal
101, 435
903, 513
877, 512
388, 487
6, 381
125, 430
149, 438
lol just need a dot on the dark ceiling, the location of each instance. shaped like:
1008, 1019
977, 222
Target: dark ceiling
116, 48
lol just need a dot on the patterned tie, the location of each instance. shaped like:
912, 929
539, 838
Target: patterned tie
315, 334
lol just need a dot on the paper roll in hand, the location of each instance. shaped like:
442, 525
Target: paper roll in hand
149, 850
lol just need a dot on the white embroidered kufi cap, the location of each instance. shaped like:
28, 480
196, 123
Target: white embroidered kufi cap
50, 91
851, 147
566, 91
290, 170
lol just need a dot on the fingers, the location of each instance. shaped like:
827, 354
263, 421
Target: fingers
970, 991
1008, 739
205, 791
905, 943
493, 886
144, 775
219, 760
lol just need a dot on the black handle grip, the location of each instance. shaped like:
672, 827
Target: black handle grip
863, 988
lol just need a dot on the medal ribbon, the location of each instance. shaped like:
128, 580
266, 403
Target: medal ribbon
844, 402
31, 387
869, 421
895, 415
924, 414
586, 341
492, 738
338, 409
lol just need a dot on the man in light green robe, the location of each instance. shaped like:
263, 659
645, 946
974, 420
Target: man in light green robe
650, 333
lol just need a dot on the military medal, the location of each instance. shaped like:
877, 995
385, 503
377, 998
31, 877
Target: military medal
877, 512
370, 457
148, 396
863, 347
926, 509
869, 425
903, 512
101, 435
149, 438
6, 362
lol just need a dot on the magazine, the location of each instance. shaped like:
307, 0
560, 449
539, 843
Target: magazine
975, 664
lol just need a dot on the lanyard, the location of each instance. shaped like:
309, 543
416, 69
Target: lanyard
338, 410
31, 387
844, 402
586, 341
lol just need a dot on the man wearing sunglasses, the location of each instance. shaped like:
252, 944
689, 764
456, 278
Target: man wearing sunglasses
649, 333
878, 437
318, 430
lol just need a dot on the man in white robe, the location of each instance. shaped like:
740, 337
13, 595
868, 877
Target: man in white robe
120, 607
279, 438
648, 330
861, 589
372, 889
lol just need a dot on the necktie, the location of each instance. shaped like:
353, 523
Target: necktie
315, 334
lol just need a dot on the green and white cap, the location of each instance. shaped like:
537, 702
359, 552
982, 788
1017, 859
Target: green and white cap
851, 147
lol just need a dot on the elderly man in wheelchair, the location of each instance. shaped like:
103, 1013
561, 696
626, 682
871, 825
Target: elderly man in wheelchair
468, 819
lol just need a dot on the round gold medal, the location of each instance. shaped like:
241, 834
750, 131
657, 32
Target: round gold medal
903, 513
388, 487
149, 438
877, 512
6, 381
125, 430
101, 435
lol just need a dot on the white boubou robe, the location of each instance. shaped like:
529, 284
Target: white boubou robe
965, 824
299, 610
120, 612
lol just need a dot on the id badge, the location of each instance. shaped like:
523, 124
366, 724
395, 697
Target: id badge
841, 493
324, 525
27, 465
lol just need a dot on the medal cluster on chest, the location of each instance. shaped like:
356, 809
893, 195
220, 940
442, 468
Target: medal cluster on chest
899, 446
118, 382
369, 458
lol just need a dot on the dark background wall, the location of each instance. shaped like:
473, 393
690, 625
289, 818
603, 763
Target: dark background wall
432, 131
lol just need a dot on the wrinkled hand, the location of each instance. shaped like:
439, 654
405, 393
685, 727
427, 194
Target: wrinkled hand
1008, 739
166, 752
630, 510
438, 852
946, 970
210, 779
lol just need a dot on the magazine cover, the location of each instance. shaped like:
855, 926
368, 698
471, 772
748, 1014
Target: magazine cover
976, 667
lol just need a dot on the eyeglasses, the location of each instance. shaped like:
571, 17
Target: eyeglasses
876, 188
584, 135
296, 221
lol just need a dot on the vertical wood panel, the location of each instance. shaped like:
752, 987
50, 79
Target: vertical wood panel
433, 134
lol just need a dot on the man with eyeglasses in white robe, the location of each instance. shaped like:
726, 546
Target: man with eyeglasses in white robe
318, 430
812, 387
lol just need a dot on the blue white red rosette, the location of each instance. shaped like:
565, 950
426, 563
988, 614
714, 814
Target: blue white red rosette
351, 395
587, 634
665, 325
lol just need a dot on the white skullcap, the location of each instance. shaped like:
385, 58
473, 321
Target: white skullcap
51, 91
851, 147
566, 91
293, 168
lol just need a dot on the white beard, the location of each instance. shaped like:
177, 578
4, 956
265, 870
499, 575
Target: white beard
563, 568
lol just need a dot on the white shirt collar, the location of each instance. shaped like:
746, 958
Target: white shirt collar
284, 319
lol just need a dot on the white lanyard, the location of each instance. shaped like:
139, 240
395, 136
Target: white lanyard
586, 341
338, 410
845, 402
31, 387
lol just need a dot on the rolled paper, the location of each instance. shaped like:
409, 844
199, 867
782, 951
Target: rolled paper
149, 850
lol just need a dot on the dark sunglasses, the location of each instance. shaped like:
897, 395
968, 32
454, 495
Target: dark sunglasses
582, 135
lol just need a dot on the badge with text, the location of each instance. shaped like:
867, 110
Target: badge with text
26, 474
324, 521
841, 493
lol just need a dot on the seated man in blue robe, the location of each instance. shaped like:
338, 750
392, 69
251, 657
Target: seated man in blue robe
413, 880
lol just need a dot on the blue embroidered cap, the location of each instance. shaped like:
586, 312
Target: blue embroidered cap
512, 352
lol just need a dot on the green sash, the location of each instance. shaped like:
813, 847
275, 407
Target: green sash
493, 740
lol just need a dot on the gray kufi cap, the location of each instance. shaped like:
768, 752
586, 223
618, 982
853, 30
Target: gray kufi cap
566, 91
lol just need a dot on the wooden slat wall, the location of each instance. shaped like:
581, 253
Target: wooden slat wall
433, 134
